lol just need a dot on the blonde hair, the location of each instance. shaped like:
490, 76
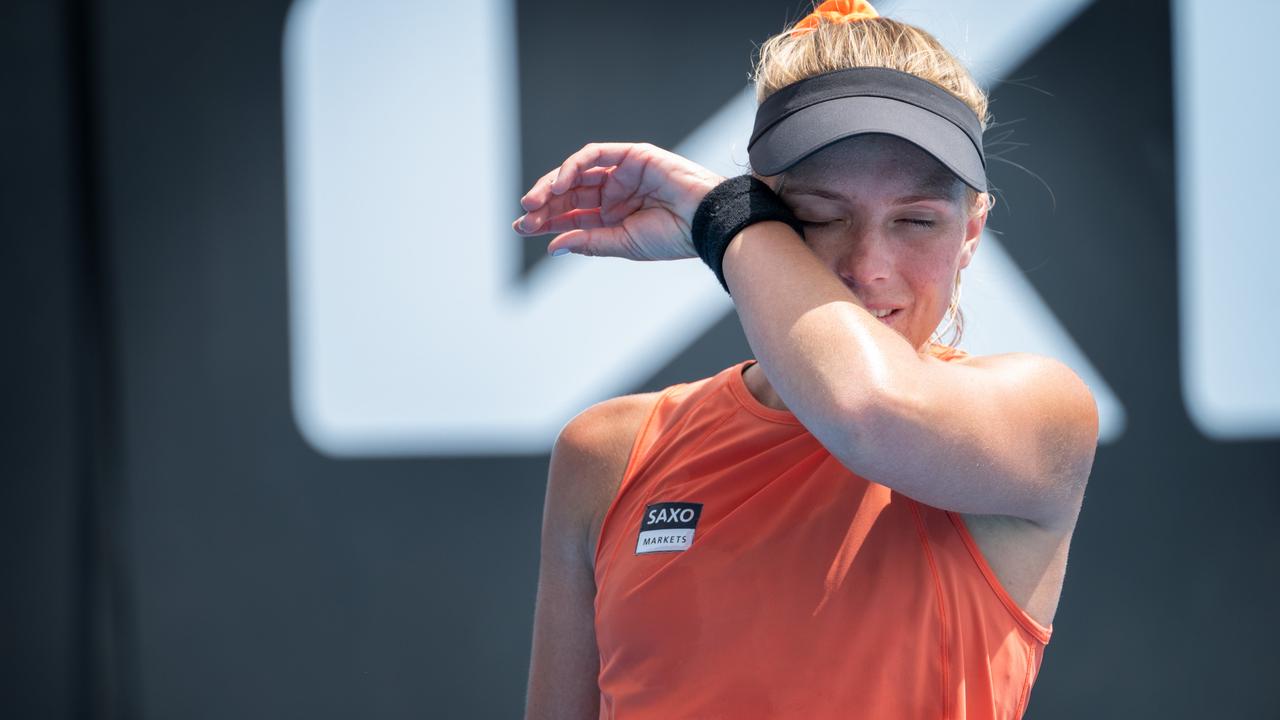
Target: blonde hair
789, 57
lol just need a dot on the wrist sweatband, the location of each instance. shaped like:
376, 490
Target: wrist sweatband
727, 209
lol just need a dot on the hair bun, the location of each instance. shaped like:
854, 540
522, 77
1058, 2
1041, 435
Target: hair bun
835, 11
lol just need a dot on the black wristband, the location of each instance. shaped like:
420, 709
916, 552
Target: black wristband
724, 212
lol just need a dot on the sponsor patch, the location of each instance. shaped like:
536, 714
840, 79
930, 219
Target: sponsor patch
668, 527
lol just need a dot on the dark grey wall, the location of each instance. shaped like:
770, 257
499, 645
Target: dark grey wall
173, 548
39, 432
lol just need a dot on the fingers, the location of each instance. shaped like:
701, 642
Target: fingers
593, 156
569, 242
537, 194
599, 242
590, 156
540, 193
567, 200
583, 198
572, 220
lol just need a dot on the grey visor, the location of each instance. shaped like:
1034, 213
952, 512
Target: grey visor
808, 115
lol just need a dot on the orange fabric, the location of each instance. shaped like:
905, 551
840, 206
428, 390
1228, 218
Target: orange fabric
806, 591
835, 11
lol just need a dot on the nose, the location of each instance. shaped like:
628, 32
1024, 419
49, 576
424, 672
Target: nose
866, 257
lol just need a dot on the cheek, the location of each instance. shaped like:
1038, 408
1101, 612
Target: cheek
825, 243
928, 263
930, 276
937, 256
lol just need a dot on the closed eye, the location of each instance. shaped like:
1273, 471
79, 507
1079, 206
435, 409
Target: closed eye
821, 223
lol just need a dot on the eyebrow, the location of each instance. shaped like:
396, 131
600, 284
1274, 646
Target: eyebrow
936, 189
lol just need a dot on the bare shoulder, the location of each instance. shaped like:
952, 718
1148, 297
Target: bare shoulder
598, 430
587, 462
1050, 374
590, 457
1030, 558
1025, 366
1048, 391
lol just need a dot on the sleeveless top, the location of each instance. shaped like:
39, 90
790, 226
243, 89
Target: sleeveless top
743, 572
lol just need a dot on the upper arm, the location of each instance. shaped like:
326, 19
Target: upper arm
1012, 434
587, 461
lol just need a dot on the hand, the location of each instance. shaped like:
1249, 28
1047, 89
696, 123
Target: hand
628, 200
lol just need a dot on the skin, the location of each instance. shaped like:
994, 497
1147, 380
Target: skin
1006, 441
854, 185
925, 244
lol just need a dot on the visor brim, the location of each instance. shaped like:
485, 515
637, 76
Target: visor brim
812, 128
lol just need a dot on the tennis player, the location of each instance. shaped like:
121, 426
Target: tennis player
861, 521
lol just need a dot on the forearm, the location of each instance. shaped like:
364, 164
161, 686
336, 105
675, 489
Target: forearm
827, 357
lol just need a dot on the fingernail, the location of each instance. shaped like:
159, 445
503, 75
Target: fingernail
559, 251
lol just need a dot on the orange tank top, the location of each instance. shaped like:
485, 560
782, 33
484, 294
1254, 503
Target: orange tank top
743, 572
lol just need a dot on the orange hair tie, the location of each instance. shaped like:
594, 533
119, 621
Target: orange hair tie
835, 11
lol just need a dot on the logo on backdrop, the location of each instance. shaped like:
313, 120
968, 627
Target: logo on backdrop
377, 369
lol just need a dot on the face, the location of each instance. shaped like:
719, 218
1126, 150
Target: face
890, 221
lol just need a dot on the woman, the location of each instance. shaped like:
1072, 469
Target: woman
863, 523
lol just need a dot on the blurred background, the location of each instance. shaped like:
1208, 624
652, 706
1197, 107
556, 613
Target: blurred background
281, 385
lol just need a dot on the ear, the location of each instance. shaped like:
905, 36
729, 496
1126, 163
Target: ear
973, 231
